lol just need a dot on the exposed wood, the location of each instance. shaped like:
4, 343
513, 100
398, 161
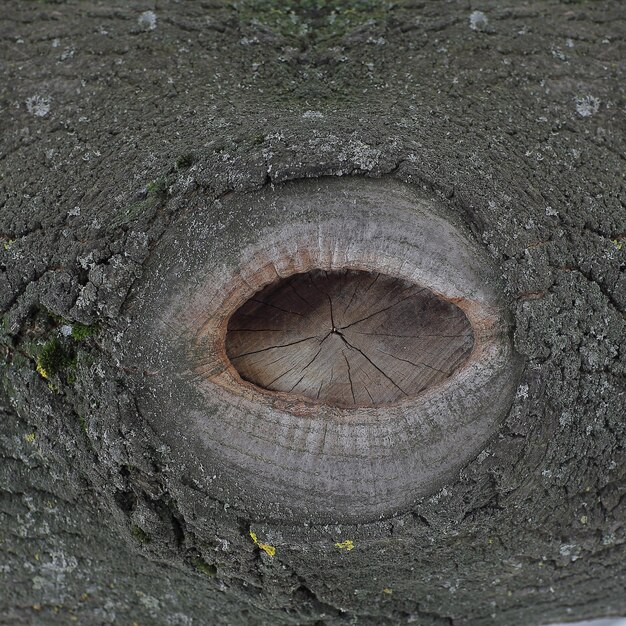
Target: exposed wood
348, 338
350, 458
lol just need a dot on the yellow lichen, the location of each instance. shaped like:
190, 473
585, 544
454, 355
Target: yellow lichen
348, 545
30, 437
271, 550
40, 370
266, 547
388, 591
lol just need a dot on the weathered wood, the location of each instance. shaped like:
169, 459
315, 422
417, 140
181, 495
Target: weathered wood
348, 338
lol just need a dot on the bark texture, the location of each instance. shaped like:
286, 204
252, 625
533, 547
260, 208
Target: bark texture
120, 120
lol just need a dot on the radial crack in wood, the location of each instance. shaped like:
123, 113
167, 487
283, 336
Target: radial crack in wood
347, 338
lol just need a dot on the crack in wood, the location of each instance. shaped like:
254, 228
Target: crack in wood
419, 338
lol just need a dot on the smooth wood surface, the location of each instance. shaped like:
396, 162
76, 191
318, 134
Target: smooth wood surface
347, 338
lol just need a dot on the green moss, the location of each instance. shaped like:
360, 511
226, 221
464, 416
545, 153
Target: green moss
205, 568
81, 332
158, 186
184, 161
53, 358
83, 423
54, 354
19, 360
134, 211
313, 20
139, 534
4, 327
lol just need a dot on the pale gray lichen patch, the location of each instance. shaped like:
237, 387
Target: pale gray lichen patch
38, 105
478, 21
147, 21
588, 105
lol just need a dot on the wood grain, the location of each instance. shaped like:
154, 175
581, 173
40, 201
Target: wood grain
347, 338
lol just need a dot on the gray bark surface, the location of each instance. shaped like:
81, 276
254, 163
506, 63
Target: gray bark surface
115, 127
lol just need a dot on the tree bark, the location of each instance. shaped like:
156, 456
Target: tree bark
126, 125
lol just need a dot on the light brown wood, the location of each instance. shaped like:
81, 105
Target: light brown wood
347, 338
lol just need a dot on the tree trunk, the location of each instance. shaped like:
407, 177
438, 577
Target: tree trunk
145, 156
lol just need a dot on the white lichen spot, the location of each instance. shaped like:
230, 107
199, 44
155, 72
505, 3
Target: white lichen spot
550, 212
483, 456
364, 156
569, 42
224, 544
75, 212
557, 53
571, 550
150, 602
56, 42
179, 619
147, 20
311, 115
478, 21
586, 106
566, 419
38, 106
522, 392
608, 539
66, 330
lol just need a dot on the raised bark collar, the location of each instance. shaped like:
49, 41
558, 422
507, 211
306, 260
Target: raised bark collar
304, 413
